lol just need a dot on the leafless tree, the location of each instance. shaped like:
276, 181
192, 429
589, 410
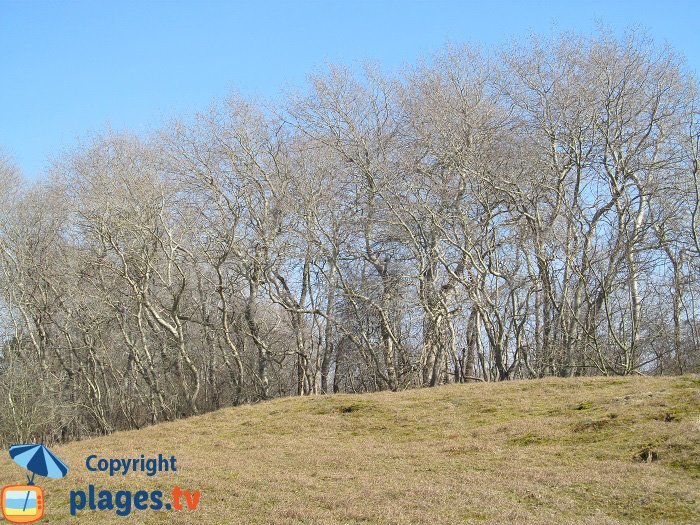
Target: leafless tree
482, 216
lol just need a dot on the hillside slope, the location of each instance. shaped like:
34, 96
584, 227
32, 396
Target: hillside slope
545, 451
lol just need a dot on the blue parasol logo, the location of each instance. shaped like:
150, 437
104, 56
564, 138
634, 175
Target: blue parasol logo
25, 503
38, 459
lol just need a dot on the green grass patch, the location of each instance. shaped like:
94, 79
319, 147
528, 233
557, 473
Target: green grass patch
555, 451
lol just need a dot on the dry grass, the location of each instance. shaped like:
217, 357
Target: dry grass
547, 451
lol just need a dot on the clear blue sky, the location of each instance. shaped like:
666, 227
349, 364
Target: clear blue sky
72, 68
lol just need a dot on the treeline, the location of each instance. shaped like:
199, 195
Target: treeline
480, 217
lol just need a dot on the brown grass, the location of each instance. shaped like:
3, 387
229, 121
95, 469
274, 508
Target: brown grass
547, 451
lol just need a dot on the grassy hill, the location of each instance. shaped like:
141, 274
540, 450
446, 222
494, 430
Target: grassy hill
598, 451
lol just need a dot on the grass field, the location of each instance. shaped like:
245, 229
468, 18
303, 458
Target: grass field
598, 451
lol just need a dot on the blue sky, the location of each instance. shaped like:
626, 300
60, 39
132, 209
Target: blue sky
69, 69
